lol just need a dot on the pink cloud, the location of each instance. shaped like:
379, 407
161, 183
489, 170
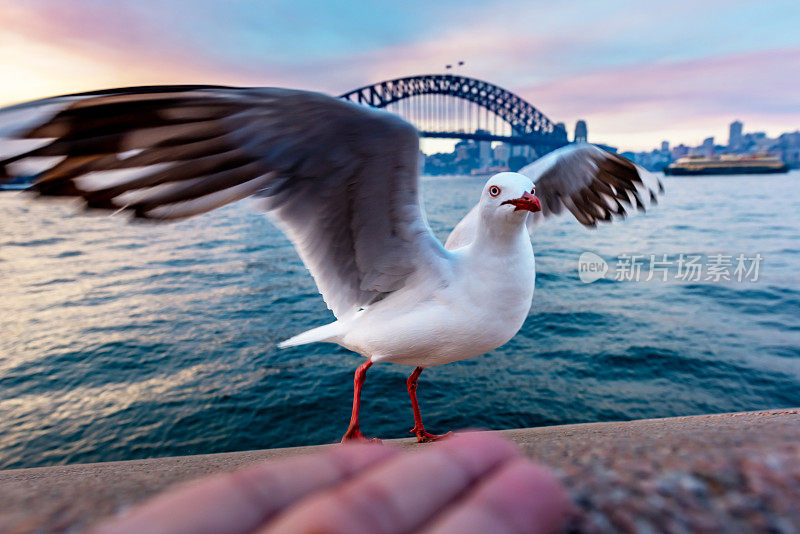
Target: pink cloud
633, 106
646, 99
126, 39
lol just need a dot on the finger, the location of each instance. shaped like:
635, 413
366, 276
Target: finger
519, 498
400, 494
240, 501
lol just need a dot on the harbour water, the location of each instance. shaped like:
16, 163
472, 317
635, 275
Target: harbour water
123, 341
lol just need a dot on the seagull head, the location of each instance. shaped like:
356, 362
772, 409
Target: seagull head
507, 198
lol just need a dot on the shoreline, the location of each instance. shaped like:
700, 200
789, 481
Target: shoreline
732, 472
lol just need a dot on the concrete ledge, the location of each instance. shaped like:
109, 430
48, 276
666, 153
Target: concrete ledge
730, 472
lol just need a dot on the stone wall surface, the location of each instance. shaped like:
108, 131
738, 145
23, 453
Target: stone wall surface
712, 473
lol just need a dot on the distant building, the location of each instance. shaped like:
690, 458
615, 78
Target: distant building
680, 151
707, 148
524, 151
464, 150
502, 153
581, 133
757, 143
789, 147
521, 155
735, 135
786, 147
484, 150
654, 160
561, 130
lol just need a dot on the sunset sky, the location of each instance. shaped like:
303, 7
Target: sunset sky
637, 72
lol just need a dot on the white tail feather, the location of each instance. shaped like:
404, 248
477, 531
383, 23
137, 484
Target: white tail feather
324, 333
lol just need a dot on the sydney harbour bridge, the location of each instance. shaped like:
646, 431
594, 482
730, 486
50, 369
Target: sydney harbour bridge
457, 107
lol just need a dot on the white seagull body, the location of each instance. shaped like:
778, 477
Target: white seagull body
473, 300
341, 181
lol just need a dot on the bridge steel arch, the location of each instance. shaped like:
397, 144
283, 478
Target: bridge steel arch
529, 124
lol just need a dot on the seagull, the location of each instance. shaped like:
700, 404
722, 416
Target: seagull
341, 181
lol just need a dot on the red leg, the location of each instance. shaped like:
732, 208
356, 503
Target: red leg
352, 431
419, 429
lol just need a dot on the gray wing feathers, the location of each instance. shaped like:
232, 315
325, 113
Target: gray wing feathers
339, 179
591, 183
359, 228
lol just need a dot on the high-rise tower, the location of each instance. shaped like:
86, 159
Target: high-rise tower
735, 135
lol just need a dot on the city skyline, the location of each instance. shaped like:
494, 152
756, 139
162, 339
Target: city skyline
739, 142
637, 74
484, 157
448, 145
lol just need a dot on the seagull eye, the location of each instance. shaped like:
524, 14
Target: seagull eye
494, 190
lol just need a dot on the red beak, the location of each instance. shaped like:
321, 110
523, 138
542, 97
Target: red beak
527, 202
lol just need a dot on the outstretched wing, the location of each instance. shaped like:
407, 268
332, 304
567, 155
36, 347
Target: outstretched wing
589, 182
340, 179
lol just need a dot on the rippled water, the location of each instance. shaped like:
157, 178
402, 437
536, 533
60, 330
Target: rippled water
124, 341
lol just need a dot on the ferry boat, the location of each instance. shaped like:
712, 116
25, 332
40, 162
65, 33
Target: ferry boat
726, 164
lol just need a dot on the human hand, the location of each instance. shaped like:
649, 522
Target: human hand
473, 482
